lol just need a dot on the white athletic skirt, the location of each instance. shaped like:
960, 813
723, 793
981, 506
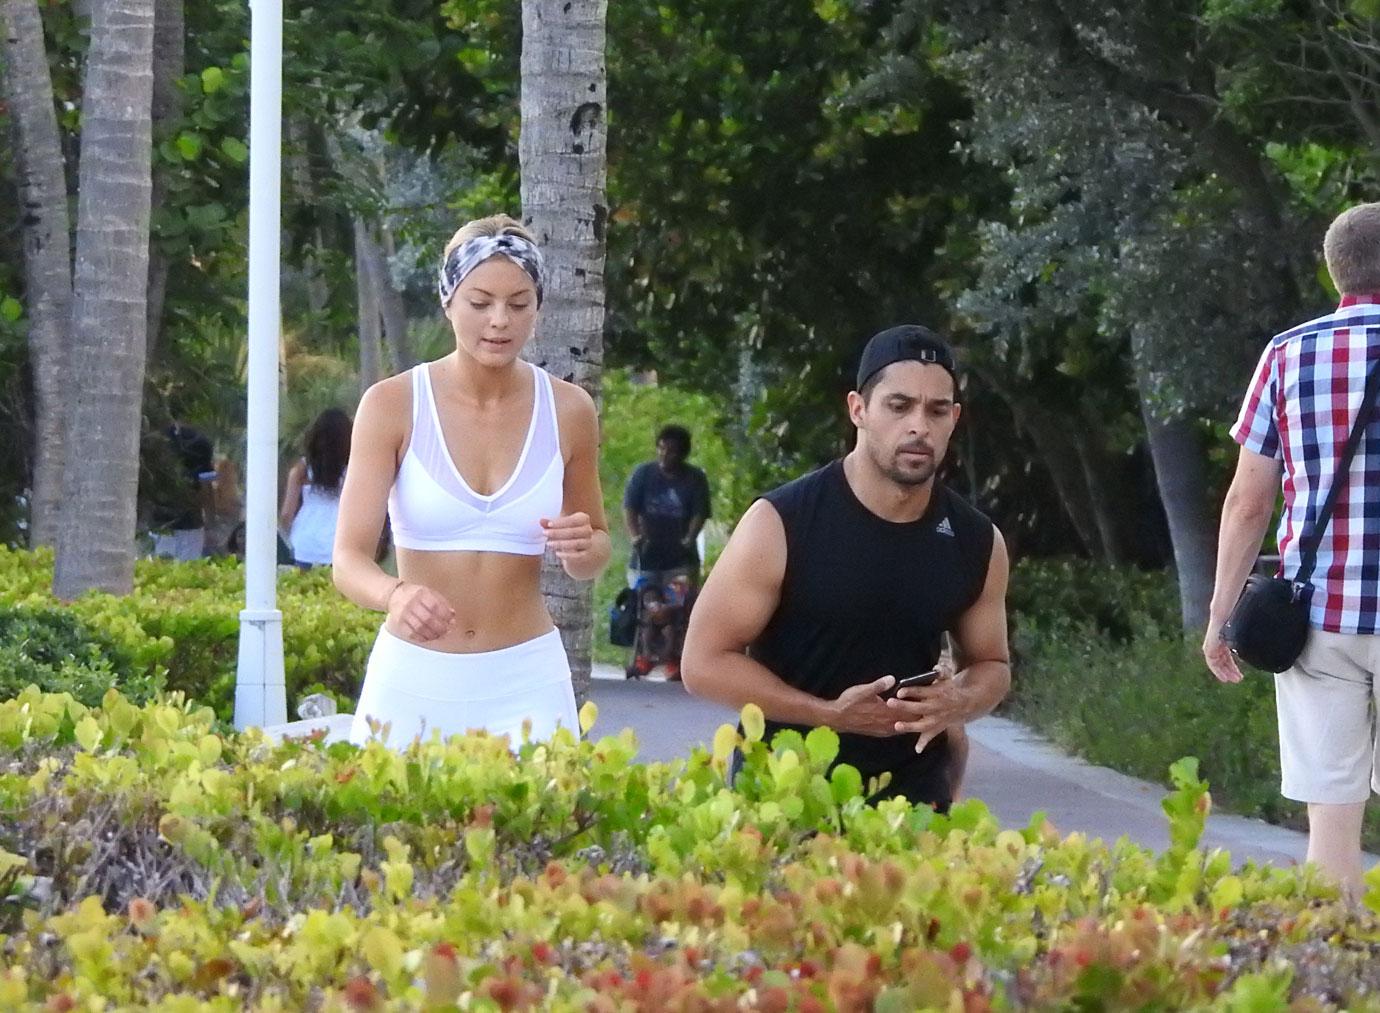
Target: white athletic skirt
416, 691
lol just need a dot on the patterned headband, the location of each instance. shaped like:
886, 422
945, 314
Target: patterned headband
473, 252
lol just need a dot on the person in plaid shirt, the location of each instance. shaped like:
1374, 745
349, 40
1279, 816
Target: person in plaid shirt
1294, 423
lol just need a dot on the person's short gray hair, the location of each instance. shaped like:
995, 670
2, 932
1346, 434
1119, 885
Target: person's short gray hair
1352, 249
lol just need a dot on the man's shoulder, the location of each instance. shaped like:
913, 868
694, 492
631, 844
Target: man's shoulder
790, 497
960, 505
804, 483
965, 521
1359, 315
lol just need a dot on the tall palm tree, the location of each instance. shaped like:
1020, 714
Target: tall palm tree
169, 64
564, 177
47, 248
95, 546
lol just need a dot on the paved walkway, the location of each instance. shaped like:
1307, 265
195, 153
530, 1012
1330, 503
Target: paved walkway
1012, 769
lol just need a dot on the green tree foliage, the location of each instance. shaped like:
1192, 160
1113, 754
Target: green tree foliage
1109, 206
764, 223
1148, 236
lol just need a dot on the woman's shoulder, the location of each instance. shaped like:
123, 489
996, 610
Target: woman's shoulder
385, 410
388, 394
576, 416
572, 400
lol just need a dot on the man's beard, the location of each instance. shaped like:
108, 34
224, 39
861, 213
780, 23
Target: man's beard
890, 467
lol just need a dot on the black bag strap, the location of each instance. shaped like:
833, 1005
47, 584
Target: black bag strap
1308, 546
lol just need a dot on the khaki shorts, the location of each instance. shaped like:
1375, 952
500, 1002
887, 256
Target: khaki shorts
1327, 730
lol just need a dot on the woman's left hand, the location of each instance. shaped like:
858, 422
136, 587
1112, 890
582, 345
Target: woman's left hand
570, 536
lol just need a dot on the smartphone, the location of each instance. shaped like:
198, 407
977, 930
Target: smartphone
923, 679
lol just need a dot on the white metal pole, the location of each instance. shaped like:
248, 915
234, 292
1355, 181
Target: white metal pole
260, 694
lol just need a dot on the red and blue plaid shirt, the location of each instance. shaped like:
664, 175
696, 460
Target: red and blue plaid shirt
1299, 410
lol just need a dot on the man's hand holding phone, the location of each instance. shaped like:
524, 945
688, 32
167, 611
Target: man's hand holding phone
874, 708
935, 701
911, 681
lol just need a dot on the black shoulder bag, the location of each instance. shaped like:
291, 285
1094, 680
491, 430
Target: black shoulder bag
1269, 625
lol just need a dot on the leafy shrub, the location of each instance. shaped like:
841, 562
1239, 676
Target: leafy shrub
1138, 705
56, 652
157, 863
181, 625
1115, 601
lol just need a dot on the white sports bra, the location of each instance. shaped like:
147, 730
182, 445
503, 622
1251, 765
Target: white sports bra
432, 507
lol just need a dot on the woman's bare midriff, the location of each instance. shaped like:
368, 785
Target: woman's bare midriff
496, 597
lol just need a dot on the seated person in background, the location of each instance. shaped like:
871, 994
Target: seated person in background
184, 499
664, 610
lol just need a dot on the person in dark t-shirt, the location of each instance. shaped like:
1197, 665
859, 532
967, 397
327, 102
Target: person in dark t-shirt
842, 582
665, 504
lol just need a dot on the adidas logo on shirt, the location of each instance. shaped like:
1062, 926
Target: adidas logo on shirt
944, 528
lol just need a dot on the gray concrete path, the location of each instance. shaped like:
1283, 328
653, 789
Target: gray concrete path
1012, 769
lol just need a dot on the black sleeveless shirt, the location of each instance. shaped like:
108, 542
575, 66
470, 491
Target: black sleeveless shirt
863, 597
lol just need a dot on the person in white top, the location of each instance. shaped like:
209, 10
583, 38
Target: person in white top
311, 498
482, 462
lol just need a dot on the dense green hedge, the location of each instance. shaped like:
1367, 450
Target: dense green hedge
1116, 602
146, 860
180, 628
53, 649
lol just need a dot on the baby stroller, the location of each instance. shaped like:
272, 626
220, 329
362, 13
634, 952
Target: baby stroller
655, 610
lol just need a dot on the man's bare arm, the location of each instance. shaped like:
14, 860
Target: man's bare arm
1245, 516
737, 602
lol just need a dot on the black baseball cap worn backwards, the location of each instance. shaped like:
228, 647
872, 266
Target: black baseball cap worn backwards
904, 343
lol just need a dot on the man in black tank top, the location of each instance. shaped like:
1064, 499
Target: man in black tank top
838, 584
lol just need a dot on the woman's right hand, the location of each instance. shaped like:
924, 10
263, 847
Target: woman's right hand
417, 613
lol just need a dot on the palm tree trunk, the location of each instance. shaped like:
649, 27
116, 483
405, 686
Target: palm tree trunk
47, 250
399, 341
1181, 474
390, 302
564, 174
370, 334
169, 64
95, 547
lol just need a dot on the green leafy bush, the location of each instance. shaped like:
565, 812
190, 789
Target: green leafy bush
181, 625
1140, 704
1115, 601
58, 653
146, 860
